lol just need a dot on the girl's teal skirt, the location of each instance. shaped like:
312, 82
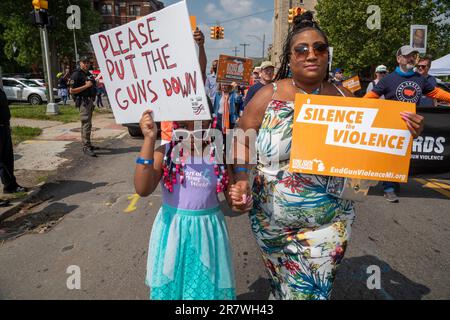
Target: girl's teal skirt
189, 256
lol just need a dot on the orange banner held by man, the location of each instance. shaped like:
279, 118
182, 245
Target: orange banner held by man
352, 84
234, 69
351, 137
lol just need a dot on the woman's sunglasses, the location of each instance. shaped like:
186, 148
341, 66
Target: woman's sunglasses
302, 51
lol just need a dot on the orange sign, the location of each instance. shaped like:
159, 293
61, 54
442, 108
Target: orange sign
351, 137
352, 84
193, 20
234, 69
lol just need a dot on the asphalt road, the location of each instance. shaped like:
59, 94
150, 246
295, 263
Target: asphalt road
88, 217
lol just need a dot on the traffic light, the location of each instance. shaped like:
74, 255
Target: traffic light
293, 12
291, 16
217, 32
40, 4
213, 32
299, 11
39, 16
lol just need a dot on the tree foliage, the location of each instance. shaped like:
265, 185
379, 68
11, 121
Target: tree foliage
17, 31
358, 48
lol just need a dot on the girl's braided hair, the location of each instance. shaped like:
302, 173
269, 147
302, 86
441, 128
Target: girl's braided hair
303, 22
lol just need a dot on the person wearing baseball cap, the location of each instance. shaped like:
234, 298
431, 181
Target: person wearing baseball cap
265, 77
404, 84
380, 73
82, 87
338, 76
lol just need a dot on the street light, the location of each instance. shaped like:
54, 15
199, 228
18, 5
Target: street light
263, 40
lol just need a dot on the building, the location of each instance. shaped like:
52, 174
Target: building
118, 12
281, 25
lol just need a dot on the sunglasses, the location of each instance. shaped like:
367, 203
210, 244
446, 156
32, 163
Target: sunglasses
302, 51
183, 134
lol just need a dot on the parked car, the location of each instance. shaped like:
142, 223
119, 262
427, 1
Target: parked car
42, 83
24, 90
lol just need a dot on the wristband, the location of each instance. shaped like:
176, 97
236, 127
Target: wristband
140, 160
240, 169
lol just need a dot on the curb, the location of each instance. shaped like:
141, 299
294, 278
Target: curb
21, 204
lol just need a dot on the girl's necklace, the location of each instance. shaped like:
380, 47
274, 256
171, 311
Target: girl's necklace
317, 91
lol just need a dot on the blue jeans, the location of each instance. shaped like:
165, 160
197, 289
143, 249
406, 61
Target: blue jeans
391, 186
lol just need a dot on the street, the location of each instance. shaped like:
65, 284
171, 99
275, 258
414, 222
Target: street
88, 216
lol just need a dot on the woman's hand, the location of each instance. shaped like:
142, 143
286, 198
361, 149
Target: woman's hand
240, 195
414, 122
148, 126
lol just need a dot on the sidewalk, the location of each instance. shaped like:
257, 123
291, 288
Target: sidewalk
37, 159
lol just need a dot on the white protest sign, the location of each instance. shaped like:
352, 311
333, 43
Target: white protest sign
151, 63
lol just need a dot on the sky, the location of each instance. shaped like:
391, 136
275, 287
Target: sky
245, 29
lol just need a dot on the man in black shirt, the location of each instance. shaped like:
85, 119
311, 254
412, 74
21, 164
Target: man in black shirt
82, 88
6, 149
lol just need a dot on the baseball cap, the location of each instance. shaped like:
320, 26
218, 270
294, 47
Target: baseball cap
405, 50
338, 70
257, 69
381, 68
84, 59
266, 64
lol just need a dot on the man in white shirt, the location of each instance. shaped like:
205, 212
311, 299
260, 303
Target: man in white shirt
380, 73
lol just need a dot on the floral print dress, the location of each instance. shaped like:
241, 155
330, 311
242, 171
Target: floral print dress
301, 230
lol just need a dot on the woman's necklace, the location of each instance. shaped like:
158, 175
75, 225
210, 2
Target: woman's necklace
317, 91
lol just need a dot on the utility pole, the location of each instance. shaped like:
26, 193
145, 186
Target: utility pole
52, 107
40, 19
264, 46
244, 45
236, 51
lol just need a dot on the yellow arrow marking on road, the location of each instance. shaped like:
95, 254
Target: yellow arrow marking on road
132, 206
436, 185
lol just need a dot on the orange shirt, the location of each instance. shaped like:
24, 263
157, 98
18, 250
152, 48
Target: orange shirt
166, 130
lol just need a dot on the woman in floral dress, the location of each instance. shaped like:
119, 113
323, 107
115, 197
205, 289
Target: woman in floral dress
302, 231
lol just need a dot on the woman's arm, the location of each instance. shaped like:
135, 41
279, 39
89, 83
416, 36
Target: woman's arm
243, 161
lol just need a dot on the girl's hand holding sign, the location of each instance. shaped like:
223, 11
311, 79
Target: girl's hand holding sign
148, 126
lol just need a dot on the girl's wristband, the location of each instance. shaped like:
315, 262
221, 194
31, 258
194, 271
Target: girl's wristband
143, 161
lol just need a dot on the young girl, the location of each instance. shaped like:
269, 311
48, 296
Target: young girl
189, 252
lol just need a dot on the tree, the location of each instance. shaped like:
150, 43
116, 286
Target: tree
17, 30
358, 48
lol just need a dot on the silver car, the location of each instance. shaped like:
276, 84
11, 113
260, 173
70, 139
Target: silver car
24, 90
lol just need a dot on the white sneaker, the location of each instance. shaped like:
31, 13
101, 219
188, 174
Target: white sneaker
391, 196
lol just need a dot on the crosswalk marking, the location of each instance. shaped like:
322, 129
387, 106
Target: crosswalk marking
132, 206
436, 185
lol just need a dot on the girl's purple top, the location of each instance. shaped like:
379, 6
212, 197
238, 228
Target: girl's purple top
197, 192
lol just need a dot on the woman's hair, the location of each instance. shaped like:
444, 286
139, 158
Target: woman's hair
303, 22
